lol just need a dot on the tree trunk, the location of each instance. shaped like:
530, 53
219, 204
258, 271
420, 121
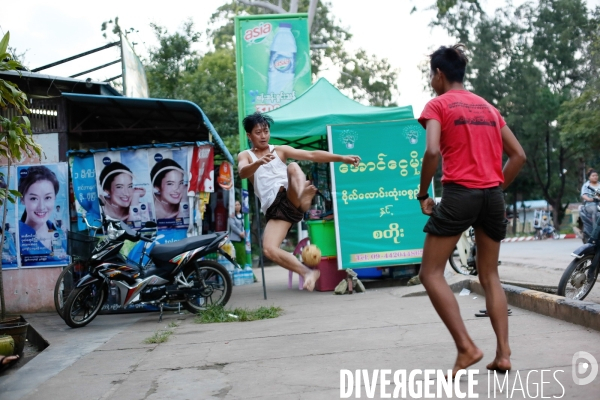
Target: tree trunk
4, 212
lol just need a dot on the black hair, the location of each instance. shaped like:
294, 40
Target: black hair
452, 61
166, 162
35, 174
107, 170
256, 119
590, 172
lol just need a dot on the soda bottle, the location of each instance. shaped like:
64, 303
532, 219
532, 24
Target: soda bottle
282, 61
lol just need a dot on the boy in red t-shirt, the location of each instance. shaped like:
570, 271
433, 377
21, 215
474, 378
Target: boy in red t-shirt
470, 134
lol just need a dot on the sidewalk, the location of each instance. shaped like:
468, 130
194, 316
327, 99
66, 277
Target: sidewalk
296, 356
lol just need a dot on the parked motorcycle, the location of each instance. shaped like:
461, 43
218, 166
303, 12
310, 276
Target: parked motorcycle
580, 276
463, 258
175, 273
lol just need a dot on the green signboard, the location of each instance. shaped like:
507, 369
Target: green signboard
378, 221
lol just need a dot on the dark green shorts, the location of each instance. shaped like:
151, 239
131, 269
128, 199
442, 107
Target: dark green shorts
462, 207
283, 209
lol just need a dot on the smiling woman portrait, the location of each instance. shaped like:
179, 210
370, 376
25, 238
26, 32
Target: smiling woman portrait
169, 186
39, 188
120, 198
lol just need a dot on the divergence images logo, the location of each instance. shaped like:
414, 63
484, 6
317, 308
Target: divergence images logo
258, 33
580, 368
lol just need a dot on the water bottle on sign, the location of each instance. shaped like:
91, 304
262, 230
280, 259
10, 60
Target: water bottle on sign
282, 61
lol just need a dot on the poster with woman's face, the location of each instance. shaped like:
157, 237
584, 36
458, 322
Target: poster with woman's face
169, 178
10, 256
43, 215
123, 183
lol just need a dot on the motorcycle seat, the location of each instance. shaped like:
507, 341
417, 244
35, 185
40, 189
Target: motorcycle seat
165, 252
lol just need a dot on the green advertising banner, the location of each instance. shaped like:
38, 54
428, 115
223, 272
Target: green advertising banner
378, 221
273, 60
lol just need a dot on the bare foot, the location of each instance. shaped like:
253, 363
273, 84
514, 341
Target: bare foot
7, 359
501, 364
310, 279
465, 359
307, 195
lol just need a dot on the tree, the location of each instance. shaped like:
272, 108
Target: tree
527, 61
16, 138
364, 76
579, 118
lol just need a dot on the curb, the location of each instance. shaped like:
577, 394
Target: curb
582, 313
540, 288
538, 300
527, 238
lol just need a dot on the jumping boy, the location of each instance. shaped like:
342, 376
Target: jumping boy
283, 190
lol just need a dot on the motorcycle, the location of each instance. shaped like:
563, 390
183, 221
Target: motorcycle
463, 259
580, 276
174, 273
543, 226
587, 220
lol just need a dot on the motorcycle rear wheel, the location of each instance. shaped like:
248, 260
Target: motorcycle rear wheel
66, 282
83, 304
574, 283
215, 282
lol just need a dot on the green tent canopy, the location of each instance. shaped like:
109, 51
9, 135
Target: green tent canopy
303, 122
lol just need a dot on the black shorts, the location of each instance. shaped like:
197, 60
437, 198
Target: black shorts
462, 207
283, 209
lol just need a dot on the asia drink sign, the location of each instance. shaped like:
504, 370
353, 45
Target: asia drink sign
378, 221
273, 61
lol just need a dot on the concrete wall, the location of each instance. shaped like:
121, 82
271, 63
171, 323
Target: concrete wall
28, 290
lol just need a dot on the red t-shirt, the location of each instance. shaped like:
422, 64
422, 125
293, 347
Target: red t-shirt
470, 142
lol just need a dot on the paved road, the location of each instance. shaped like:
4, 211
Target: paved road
300, 355
539, 262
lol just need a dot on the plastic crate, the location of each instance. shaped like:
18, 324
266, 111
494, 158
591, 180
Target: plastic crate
330, 275
368, 273
322, 234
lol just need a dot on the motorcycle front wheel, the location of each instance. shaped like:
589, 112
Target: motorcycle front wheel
83, 304
66, 282
214, 282
574, 283
457, 264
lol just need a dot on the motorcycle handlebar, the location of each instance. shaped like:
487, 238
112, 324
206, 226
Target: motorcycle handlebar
146, 239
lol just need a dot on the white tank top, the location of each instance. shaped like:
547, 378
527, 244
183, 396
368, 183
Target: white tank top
268, 179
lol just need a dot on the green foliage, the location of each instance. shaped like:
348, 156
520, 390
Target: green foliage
579, 117
158, 337
16, 139
529, 62
217, 313
365, 76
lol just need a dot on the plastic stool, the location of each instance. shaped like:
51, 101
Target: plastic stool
298, 252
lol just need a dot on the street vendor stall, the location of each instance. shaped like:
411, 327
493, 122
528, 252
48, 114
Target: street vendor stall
376, 221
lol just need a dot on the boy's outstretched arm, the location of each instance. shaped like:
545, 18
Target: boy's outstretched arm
318, 156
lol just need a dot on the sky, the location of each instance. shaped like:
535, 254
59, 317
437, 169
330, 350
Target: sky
50, 31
